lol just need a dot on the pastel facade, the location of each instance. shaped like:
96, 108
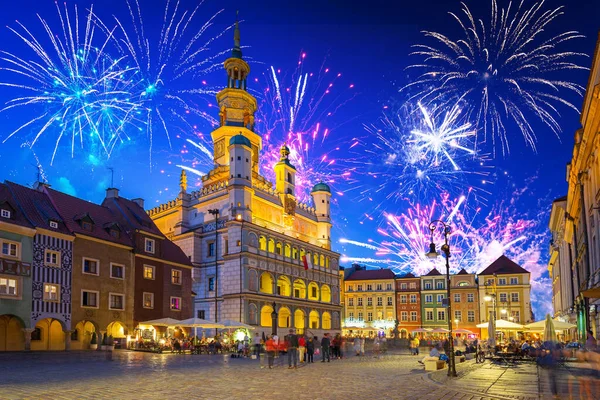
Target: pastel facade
408, 304
464, 295
433, 292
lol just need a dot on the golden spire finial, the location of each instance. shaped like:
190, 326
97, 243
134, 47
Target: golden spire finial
183, 181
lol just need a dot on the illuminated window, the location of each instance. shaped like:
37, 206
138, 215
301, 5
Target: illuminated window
148, 300
176, 303
9, 287
148, 272
176, 277
51, 292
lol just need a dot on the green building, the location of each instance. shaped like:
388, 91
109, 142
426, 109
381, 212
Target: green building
433, 291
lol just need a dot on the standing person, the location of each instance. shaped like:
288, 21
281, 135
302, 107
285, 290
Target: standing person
292, 349
310, 350
325, 344
357, 345
362, 345
257, 346
337, 346
376, 345
590, 342
270, 347
415, 345
302, 348
276, 343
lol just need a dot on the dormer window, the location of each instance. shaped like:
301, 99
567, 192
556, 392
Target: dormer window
54, 224
149, 245
5, 213
85, 221
115, 233
86, 225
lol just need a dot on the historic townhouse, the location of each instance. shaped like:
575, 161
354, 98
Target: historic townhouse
16, 255
258, 251
408, 303
103, 274
433, 292
162, 272
507, 283
50, 315
369, 304
465, 303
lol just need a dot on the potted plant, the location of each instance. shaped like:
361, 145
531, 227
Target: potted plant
94, 342
111, 343
104, 346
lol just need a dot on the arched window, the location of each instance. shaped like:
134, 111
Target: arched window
299, 322
252, 240
294, 253
271, 247
299, 289
463, 283
262, 241
252, 314
279, 248
315, 261
284, 286
252, 280
313, 291
322, 260
287, 250
289, 177
327, 262
325, 294
266, 283
335, 295
285, 317
302, 253
265, 316
313, 319
326, 320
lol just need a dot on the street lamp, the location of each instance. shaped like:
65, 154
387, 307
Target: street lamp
274, 320
491, 297
215, 212
445, 228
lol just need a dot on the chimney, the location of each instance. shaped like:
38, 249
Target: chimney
39, 186
139, 202
112, 193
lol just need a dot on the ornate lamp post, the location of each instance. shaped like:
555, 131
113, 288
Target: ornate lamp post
445, 228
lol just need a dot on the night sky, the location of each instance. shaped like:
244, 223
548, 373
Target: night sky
369, 44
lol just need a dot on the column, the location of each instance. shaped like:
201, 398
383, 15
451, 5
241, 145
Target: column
27, 332
68, 340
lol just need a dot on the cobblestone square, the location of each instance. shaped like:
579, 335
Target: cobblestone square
135, 375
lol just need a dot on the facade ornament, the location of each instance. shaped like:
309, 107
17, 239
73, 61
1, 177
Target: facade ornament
183, 181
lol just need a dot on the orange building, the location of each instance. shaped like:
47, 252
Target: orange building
465, 302
408, 303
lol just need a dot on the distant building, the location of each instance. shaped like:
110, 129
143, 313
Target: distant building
369, 302
433, 292
256, 249
464, 295
408, 304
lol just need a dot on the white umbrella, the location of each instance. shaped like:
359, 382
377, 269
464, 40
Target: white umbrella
502, 324
558, 325
461, 330
199, 323
162, 322
491, 333
422, 330
440, 330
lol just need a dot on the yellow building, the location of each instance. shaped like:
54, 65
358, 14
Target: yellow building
256, 247
369, 302
507, 285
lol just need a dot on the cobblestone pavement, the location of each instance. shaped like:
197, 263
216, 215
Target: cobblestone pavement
134, 375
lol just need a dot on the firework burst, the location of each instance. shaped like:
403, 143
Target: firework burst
298, 111
417, 153
503, 72
72, 85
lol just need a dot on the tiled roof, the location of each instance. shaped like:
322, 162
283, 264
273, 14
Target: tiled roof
17, 217
462, 272
172, 252
433, 272
371, 274
37, 208
74, 209
504, 265
406, 276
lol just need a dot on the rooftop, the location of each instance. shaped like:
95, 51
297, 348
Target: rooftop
502, 266
433, 272
371, 274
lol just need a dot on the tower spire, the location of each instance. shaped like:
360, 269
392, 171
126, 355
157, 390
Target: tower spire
237, 50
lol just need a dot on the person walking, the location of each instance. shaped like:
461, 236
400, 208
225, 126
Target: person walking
292, 349
337, 346
302, 348
310, 351
415, 342
270, 347
325, 343
362, 345
376, 344
357, 346
257, 346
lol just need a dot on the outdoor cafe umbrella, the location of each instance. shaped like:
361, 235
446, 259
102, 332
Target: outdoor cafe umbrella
231, 324
199, 323
502, 324
422, 330
461, 330
162, 322
549, 332
558, 325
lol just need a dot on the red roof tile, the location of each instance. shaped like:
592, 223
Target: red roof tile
433, 272
371, 274
504, 265
38, 208
73, 209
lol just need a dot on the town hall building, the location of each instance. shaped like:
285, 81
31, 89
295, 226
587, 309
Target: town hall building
255, 248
